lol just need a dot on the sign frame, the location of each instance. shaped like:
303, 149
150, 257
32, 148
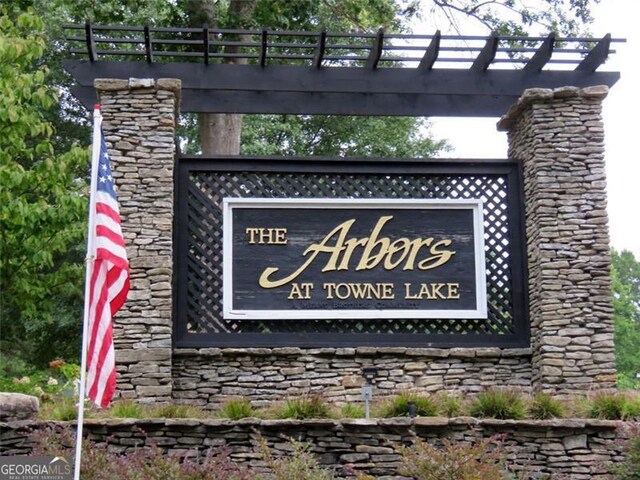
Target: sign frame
229, 203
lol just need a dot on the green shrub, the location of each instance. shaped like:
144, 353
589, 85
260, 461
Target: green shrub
60, 408
632, 408
237, 408
544, 406
449, 405
175, 410
304, 407
398, 406
500, 404
58, 379
630, 468
352, 410
125, 409
300, 465
607, 406
148, 462
454, 461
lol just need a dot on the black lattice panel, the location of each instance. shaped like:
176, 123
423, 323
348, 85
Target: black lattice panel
206, 190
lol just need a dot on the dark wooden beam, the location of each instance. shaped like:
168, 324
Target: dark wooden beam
320, 48
91, 45
542, 55
376, 51
596, 56
301, 79
148, 45
486, 55
431, 54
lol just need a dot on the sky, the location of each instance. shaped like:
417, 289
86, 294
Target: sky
478, 138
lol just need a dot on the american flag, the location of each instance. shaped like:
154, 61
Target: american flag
108, 286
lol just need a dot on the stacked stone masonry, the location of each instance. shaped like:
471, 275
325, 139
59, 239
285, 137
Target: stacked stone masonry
559, 137
139, 123
209, 377
567, 449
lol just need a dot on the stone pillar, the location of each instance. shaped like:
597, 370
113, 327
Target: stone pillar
558, 136
139, 123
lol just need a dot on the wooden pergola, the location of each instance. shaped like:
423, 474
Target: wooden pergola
261, 71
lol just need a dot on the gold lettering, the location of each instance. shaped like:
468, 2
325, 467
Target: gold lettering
433, 291
376, 249
269, 236
439, 257
252, 234
300, 291
280, 236
343, 291
416, 245
366, 261
407, 292
315, 249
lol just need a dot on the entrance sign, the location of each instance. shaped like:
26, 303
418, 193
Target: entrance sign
353, 258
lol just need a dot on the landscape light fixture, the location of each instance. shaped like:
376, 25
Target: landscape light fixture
369, 374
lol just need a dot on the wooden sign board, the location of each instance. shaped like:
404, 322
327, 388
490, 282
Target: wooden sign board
353, 258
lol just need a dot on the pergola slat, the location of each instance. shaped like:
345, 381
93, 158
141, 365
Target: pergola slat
542, 55
486, 55
431, 54
376, 51
148, 44
205, 38
263, 48
596, 56
91, 46
320, 48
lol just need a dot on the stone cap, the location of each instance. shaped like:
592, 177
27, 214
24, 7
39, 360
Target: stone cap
539, 95
487, 352
114, 84
329, 423
117, 84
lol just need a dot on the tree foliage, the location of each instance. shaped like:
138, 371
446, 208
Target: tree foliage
295, 132
518, 17
42, 206
625, 278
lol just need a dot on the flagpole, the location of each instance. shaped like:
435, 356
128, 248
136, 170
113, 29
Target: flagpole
90, 258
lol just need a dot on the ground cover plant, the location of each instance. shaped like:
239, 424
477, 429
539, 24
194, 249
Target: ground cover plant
613, 406
543, 407
500, 404
400, 406
312, 406
237, 408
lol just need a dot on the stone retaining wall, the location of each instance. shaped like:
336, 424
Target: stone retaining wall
566, 449
210, 376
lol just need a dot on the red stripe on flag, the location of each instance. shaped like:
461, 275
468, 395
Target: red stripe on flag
105, 209
107, 233
108, 289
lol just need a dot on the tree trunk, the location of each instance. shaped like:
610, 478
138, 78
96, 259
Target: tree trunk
220, 132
